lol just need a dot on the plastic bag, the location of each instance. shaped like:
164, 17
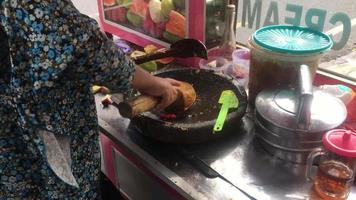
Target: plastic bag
346, 95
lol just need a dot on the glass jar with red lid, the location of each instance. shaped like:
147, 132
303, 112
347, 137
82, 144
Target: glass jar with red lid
336, 170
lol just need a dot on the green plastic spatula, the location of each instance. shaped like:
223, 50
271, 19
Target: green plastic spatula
228, 100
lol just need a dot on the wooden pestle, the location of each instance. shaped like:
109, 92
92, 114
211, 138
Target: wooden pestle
185, 98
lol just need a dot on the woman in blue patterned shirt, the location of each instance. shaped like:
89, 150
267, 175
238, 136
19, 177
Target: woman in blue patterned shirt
51, 55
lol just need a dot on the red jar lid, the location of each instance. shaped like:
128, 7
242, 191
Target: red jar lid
341, 142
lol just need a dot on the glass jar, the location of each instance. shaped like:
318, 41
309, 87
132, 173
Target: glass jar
336, 170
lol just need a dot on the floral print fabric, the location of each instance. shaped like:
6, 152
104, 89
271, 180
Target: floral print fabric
50, 56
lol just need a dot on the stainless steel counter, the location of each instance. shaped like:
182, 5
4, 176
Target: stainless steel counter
212, 170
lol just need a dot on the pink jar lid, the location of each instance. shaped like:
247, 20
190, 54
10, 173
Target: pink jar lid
341, 142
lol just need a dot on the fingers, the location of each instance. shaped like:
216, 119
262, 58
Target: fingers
162, 104
167, 98
173, 82
165, 101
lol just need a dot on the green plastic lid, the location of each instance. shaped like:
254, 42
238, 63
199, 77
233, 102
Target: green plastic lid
292, 39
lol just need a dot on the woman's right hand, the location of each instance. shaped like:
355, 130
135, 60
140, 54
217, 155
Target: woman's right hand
165, 88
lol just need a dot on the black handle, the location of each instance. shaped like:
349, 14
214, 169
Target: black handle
156, 55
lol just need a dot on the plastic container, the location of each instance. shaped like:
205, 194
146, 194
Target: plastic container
344, 93
239, 67
278, 51
216, 64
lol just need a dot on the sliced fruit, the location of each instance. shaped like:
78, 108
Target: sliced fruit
153, 29
150, 48
176, 24
148, 24
150, 66
159, 29
137, 53
155, 11
134, 19
166, 6
124, 3
109, 3
139, 7
170, 37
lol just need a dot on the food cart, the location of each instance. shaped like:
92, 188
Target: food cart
233, 165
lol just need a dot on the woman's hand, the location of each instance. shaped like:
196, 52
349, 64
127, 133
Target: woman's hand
165, 88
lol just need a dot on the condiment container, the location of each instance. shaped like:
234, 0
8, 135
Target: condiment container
277, 52
335, 172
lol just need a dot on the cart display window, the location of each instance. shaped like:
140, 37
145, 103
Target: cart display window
163, 20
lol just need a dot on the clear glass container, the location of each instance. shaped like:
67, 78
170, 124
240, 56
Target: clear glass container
336, 168
215, 21
228, 44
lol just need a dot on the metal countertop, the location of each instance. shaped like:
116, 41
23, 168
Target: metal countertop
215, 169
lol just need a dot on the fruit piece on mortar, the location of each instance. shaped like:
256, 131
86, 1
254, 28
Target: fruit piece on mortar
166, 6
134, 19
155, 11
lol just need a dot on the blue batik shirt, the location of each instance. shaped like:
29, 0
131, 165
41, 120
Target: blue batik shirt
51, 55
